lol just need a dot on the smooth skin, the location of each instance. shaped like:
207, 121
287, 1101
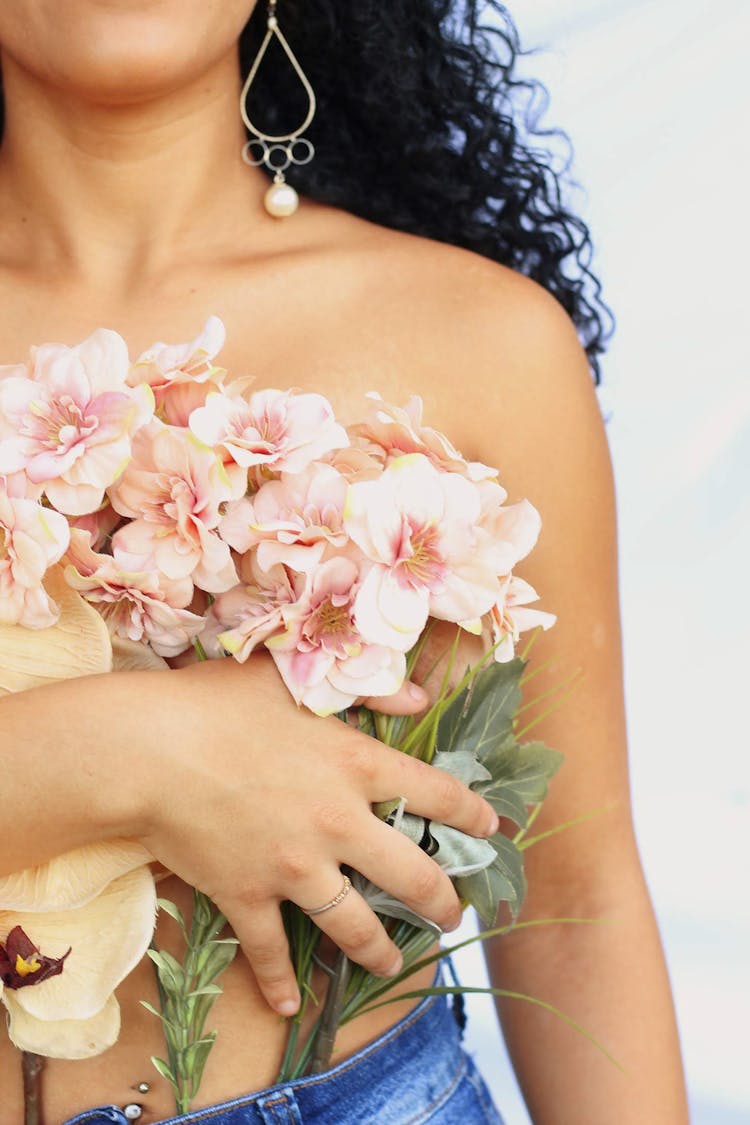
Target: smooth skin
124, 203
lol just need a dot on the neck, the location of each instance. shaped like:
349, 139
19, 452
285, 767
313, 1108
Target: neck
115, 190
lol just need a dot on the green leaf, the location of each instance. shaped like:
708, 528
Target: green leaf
502, 881
171, 973
462, 764
173, 911
387, 906
528, 766
204, 910
195, 1057
509, 861
214, 958
206, 990
459, 854
164, 1071
482, 715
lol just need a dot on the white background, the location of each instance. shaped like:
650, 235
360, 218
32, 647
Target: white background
653, 94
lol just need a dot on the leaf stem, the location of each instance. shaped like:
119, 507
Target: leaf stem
325, 1035
32, 1066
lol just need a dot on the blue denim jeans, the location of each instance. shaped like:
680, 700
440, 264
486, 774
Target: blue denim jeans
415, 1072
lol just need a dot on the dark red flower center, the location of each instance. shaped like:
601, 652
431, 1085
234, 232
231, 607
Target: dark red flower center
22, 963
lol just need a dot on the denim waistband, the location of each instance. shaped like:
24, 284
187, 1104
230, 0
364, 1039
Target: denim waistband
398, 1078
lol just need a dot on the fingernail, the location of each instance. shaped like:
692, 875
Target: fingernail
287, 1007
395, 968
416, 692
494, 824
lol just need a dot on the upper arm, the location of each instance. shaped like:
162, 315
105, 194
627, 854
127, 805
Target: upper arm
513, 389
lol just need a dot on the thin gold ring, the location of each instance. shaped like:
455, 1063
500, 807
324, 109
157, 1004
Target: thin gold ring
334, 901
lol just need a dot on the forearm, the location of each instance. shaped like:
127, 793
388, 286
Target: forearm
71, 765
611, 979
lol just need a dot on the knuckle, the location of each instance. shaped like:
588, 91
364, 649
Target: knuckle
294, 865
266, 957
333, 819
361, 761
273, 980
425, 884
448, 794
362, 933
381, 965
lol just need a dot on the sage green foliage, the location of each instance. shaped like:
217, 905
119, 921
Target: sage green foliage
477, 726
468, 731
187, 992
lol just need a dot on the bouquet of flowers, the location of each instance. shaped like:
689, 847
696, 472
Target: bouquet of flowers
154, 506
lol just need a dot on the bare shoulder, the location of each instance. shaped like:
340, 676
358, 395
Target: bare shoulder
495, 357
502, 372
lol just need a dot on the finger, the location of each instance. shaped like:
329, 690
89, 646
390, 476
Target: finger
264, 943
430, 792
353, 926
410, 699
391, 861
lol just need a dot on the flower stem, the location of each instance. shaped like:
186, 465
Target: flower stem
32, 1067
325, 1035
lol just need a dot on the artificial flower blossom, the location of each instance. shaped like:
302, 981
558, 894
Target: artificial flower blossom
172, 492
32, 539
67, 423
138, 605
420, 528
396, 430
92, 912
280, 430
169, 369
324, 659
289, 521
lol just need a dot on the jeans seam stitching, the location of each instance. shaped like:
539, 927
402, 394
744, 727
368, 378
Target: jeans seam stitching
441, 1098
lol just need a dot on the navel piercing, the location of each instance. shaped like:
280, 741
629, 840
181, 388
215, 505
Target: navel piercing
142, 1087
132, 1111
280, 199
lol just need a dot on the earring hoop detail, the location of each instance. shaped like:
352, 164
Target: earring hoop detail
277, 152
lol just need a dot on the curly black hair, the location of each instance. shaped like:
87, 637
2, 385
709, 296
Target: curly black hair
422, 125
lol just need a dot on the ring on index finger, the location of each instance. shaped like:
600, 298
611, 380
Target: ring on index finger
346, 887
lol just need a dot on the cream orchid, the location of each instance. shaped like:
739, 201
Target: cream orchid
97, 901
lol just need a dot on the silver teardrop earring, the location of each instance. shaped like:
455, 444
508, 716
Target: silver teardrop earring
290, 148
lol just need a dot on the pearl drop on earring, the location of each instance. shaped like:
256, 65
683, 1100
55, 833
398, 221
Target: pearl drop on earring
281, 199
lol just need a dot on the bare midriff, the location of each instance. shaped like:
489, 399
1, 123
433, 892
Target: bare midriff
245, 1058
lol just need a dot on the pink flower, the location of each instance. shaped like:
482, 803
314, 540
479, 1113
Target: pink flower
32, 538
141, 606
69, 421
323, 659
245, 616
399, 430
290, 520
509, 617
99, 524
180, 375
420, 528
283, 430
172, 490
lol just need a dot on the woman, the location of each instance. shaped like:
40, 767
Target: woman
125, 203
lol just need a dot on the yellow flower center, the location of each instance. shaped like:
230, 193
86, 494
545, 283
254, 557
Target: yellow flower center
26, 968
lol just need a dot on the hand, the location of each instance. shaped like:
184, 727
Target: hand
255, 801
